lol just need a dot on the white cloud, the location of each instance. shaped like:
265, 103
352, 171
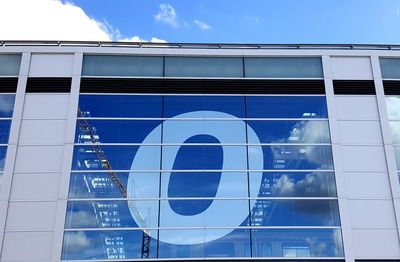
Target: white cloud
251, 19
6, 104
202, 25
167, 15
76, 242
139, 39
52, 20
83, 219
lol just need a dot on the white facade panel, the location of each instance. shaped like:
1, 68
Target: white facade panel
351, 68
39, 186
42, 132
39, 159
368, 213
51, 65
376, 244
360, 132
46, 106
367, 185
31, 215
364, 158
356, 107
27, 246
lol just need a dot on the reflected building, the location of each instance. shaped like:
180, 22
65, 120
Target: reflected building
199, 152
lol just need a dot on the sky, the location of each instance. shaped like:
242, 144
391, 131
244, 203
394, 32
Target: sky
213, 21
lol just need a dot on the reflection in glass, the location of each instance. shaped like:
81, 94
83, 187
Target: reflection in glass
395, 127
204, 184
290, 131
4, 131
298, 184
120, 157
138, 106
397, 156
114, 244
393, 107
111, 213
9, 65
390, 68
294, 212
99, 185
204, 213
3, 152
293, 157
6, 105
286, 107
318, 242
177, 105
121, 131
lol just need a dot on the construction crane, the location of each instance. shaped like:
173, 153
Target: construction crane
87, 131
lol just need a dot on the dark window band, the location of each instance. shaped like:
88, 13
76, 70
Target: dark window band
48, 85
391, 88
354, 87
8, 84
208, 86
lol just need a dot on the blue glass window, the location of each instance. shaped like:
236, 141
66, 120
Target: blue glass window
397, 155
9, 65
286, 107
135, 106
390, 68
118, 65
6, 105
116, 244
290, 131
3, 152
292, 184
5, 126
395, 127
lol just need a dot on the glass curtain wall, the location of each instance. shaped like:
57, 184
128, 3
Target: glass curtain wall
6, 111
201, 176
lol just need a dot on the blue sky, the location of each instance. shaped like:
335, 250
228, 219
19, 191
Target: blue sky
252, 21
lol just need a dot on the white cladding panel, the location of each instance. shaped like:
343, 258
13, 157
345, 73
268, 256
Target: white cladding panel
369, 213
46, 106
42, 132
31, 215
356, 108
39, 159
367, 185
27, 246
360, 132
376, 243
364, 158
51, 65
35, 186
354, 68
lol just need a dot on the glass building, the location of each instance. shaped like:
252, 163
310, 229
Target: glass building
164, 152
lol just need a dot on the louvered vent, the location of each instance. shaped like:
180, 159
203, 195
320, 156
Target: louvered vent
8, 84
209, 86
354, 87
48, 85
391, 87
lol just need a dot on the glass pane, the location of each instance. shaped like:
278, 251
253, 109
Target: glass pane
112, 213
200, 157
106, 244
121, 106
395, 127
292, 157
283, 67
390, 67
204, 184
99, 185
204, 213
289, 131
115, 65
204, 66
9, 65
5, 126
312, 242
3, 152
397, 155
294, 213
393, 107
120, 131
297, 184
6, 105
204, 131
207, 106
119, 157
191, 243
286, 107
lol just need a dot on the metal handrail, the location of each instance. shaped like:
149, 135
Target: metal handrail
5, 43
